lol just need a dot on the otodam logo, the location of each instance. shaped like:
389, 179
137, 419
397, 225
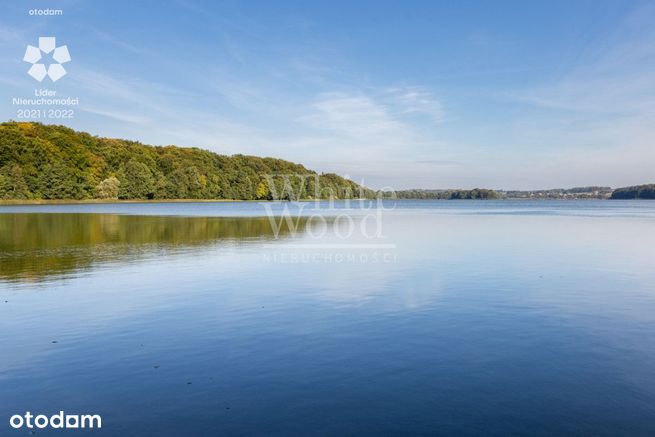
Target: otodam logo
47, 59
56, 421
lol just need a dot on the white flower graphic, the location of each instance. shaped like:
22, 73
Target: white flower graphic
40, 69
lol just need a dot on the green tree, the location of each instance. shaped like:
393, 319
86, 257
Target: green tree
13, 185
136, 181
58, 181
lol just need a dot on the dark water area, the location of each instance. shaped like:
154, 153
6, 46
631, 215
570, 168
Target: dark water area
461, 318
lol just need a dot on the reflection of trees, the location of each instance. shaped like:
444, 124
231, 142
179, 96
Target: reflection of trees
36, 246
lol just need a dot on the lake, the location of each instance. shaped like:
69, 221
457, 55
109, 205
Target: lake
410, 317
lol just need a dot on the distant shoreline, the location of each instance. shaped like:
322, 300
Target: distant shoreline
17, 202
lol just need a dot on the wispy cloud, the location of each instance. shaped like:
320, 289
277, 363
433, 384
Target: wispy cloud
351, 115
616, 77
417, 100
372, 126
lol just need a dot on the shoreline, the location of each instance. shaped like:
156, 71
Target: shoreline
12, 202
18, 202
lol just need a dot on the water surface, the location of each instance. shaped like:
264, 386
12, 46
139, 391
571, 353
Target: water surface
475, 318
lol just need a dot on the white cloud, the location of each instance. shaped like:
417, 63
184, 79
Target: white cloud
417, 100
354, 116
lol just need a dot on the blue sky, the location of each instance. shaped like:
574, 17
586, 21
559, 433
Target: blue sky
403, 94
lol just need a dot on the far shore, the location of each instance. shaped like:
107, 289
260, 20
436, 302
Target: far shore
18, 202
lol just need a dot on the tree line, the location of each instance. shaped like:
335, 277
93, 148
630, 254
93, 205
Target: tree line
635, 192
40, 161
477, 193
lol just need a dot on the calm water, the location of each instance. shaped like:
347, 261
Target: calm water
475, 318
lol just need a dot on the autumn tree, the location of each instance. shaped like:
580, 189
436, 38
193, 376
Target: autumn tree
108, 189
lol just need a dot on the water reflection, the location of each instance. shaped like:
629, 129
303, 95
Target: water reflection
34, 247
483, 323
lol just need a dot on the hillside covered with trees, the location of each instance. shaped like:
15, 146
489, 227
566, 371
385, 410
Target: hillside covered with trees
54, 162
636, 192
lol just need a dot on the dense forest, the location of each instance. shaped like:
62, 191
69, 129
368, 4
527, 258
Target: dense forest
636, 192
54, 162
